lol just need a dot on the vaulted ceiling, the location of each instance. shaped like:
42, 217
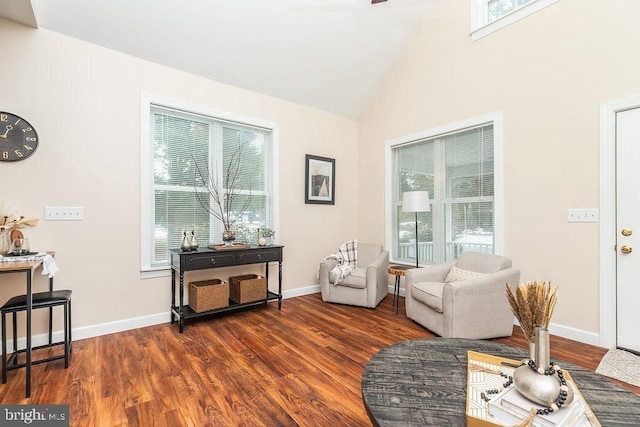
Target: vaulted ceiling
327, 54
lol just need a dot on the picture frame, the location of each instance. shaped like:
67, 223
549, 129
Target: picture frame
320, 180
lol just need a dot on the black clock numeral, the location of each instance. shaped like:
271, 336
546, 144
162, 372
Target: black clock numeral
28, 148
5, 154
25, 130
18, 153
3, 117
31, 138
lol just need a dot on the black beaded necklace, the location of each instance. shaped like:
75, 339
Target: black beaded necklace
564, 388
551, 370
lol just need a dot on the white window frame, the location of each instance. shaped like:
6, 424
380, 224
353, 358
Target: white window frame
498, 163
146, 168
480, 25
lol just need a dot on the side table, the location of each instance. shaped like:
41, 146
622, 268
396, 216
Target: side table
398, 271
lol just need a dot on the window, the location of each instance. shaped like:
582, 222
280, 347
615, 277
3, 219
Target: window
182, 145
488, 16
457, 166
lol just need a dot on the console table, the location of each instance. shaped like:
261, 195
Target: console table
205, 258
424, 382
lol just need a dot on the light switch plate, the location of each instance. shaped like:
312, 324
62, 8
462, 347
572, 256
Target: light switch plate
56, 213
583, 215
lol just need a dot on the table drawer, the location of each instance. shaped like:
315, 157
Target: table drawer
266, 255
210, 261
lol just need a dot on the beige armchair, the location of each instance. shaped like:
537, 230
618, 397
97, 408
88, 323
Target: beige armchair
473, 307
366, 286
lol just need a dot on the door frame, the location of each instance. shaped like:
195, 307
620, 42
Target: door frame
608, 233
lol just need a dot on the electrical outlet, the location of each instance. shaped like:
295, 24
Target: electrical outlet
54, 213
583, 215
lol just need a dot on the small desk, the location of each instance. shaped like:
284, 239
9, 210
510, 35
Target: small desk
424, 382
26, 267
398, 271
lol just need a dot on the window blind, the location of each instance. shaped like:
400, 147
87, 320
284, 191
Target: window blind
457, 171
191, 149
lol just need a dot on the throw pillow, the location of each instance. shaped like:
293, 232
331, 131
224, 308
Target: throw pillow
458, 274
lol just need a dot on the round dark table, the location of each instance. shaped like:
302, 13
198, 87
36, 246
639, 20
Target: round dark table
424, 382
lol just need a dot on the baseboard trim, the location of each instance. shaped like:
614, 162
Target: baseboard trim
165, 317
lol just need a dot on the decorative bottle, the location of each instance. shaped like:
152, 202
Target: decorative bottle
194, 241
186, 242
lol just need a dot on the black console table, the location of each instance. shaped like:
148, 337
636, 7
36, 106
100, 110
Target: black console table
202, 259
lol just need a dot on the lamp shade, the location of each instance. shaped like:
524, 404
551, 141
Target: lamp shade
415, 201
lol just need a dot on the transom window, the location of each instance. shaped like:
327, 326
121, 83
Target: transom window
488, 16
186, 148
458, 169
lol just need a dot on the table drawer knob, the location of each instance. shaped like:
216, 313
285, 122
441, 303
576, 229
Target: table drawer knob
259, 256
213, 261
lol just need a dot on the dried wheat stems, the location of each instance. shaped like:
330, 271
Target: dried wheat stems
533, 306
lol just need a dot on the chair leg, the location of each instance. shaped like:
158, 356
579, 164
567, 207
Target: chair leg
15, 331
70, 329
66, 336
4, 347
50, 325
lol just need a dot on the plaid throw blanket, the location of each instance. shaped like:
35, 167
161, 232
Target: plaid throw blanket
347, 257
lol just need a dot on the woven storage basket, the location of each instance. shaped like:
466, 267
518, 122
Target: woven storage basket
208, 295
247, 288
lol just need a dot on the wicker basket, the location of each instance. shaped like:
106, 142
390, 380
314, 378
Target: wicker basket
208, 295
247, 288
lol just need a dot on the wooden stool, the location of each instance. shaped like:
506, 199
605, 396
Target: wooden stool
398, 271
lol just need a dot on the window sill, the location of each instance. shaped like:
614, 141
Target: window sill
152, 274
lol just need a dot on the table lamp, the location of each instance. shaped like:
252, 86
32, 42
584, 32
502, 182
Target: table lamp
416, 201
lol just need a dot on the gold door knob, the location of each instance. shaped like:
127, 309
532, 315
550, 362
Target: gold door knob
626, 232
626, 249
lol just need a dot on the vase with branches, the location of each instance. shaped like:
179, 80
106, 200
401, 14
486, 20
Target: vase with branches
228, 200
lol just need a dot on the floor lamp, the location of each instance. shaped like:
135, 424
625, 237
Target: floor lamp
416, 201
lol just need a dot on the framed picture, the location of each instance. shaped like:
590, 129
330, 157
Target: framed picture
320, 182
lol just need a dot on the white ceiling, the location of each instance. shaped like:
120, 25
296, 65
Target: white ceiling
327, 54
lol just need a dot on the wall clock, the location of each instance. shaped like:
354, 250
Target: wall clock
18, 139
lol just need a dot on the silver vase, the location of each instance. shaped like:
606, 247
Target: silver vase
539, 388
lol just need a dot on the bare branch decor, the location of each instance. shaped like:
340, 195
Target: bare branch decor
223, 198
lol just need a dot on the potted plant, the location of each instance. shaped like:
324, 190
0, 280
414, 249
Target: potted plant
265, 235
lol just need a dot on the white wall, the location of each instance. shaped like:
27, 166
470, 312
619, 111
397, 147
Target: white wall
84, 101
547, 73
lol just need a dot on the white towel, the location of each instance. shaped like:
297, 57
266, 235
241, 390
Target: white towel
49, 266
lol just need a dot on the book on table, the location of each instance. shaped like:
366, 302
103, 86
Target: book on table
509, 407
512, 407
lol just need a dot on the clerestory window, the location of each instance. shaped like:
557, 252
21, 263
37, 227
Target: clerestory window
488, 16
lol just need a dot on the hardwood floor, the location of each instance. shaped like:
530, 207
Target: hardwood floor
298, 366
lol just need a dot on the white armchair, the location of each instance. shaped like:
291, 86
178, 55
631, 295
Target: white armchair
473, 307
366, 286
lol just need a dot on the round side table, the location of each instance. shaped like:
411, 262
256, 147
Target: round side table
398, 271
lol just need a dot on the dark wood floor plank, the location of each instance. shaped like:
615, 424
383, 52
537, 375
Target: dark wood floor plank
299, 366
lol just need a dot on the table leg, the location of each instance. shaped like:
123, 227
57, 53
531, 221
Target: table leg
180, 312
396, 293
173, 295
279, 285
28, 350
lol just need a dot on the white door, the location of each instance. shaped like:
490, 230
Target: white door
628, 229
